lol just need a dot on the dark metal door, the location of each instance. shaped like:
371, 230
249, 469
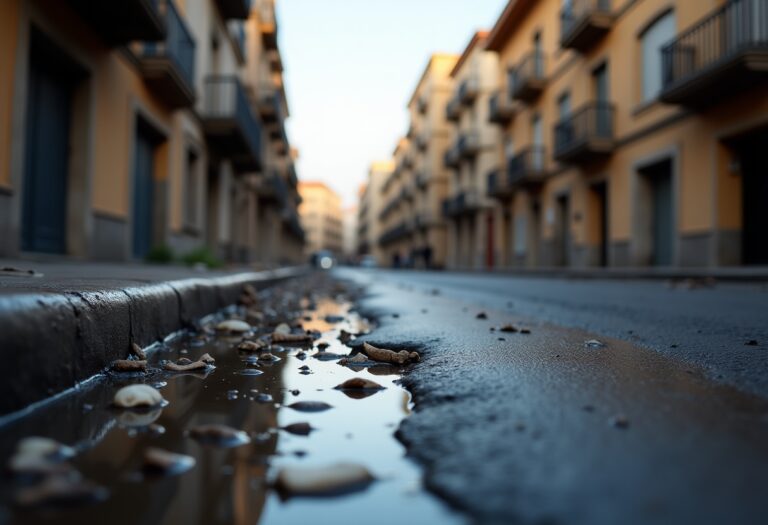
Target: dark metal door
44, 206
754, 169
662, 216
143, 182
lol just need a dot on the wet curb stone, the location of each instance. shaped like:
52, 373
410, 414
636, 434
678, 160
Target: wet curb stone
59, 334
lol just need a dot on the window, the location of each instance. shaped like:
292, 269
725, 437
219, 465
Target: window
600, 83
564, 105
657, 35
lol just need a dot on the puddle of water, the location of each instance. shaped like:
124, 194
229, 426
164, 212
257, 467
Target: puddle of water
231, 485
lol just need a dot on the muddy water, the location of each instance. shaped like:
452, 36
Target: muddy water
233, 485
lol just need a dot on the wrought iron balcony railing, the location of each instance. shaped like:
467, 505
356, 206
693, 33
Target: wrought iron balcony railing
586, 134
229, 124
584, 22
168, 66
722, 54
528, 166
501, 109
528, 78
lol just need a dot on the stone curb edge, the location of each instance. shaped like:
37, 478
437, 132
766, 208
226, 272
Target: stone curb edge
51, 341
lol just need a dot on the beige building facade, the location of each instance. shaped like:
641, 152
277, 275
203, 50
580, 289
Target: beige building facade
127, 128
371, 204
471, 215
321, 217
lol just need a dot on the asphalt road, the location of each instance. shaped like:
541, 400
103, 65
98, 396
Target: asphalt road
541, 428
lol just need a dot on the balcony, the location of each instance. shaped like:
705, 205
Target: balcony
422, 179
527, 79
394, 234
452, 156
725, 53
584, 22
268, 24
119, 23
527, 168
293, 178
279, 138
498, 186
238, 9
229, 125
453, 110
273, 189
168, 66
422, 105
501, 110
463, 203
422, 140
586, 135
275, 61
422, 219
269, 105
469, 144
468, 90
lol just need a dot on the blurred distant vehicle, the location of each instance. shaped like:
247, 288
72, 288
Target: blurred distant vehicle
323, 259
368, 261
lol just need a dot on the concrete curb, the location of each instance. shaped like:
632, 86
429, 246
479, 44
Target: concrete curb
54, 338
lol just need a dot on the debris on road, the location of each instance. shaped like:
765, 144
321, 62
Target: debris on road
332, 480
309, 406
389, 356
752, 342
298, 429
161, 462
252, 346
620, 421
508, 328
359, 383
135, 396
219, 435
186, 365
481, 315
128, 365
233, 326
278, 337
594, 343
137, 352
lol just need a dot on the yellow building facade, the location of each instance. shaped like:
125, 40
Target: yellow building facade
631, 133
371, 204
321, 217
130, 126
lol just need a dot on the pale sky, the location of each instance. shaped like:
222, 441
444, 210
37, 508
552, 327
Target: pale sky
350, 68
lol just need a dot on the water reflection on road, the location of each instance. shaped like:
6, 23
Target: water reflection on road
232, 485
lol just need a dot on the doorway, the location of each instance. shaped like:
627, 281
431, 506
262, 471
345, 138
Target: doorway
562, 231
145, 146
659, 222
599, 195
754, 188
51, 86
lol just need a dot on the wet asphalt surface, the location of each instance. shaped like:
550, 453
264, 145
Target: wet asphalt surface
543, 428
234, 484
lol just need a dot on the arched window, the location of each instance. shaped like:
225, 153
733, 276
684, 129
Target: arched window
661, 32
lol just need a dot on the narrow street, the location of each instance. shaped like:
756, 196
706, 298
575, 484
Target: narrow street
554, 427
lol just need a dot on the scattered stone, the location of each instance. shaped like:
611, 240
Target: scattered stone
620, 421
481, 315
322, 346
341, 478
309, 406
207, 359
357, 359
264, 398
219, 435
299, 429
345, 337
40, 456
295, 392
327, 356
301, 355
138, 352
594, 343
304, 367
136, 396
250, 372
359, 383
252, 346
334, 319
278, 337
388, 356
283, 328
128, 365
525, 331
509, 329
268, 358
61, 490
185, 365
233, 326
751, 342
161, 462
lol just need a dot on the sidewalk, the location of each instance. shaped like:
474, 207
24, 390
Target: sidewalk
63, 322
728, 273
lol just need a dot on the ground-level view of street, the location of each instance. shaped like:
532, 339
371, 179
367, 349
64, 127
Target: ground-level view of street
431, 397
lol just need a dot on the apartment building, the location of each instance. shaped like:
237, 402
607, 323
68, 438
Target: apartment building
369, 226
129, 126
632, 132
472, 156
413, 228
321, 217
349, 232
